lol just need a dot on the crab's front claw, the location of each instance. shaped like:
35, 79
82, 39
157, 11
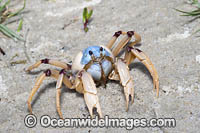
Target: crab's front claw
90, 94
126, 80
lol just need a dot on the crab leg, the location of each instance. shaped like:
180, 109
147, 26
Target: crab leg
90, 93
129, 57
35, 88
114, 38
58, 93
126, 80
137, 39
51, 62
47, 73
147, 62
125, 40
121, 44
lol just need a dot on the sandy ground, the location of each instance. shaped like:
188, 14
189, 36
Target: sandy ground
54, 29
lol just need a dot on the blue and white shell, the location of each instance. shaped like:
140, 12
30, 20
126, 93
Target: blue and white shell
84, 58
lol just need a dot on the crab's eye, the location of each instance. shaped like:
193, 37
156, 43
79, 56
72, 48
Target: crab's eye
90, 52
101, 49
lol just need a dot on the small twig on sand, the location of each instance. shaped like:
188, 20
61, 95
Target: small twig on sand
1, 50
18, 62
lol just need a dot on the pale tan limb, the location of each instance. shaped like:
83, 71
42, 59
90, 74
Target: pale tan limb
137, 39
59, 64
60, 79
58, 93
129, 57
147, 62
126, 81
66, 81
51, 62
47, 73
35, 88
114, 38
125, 40
90, 93
121, 44
114, 76
78, 85
37, 64
111, 42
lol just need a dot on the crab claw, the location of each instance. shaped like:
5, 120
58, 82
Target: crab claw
90, 94
126, 81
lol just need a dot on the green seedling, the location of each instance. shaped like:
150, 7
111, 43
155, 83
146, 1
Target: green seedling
20, 25
194, 13
8, 32
5, 14
195, 2
86, 17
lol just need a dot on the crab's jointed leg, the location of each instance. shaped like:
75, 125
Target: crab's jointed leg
90, 93
129, 57
121, 44
125, 79
35, 88
114, 38
147, 62
51, 62
48, 73
124, 41
58, 92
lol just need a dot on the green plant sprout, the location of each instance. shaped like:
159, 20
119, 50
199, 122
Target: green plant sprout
194, 13
20, 25
5, 14
86, 17
194, 2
